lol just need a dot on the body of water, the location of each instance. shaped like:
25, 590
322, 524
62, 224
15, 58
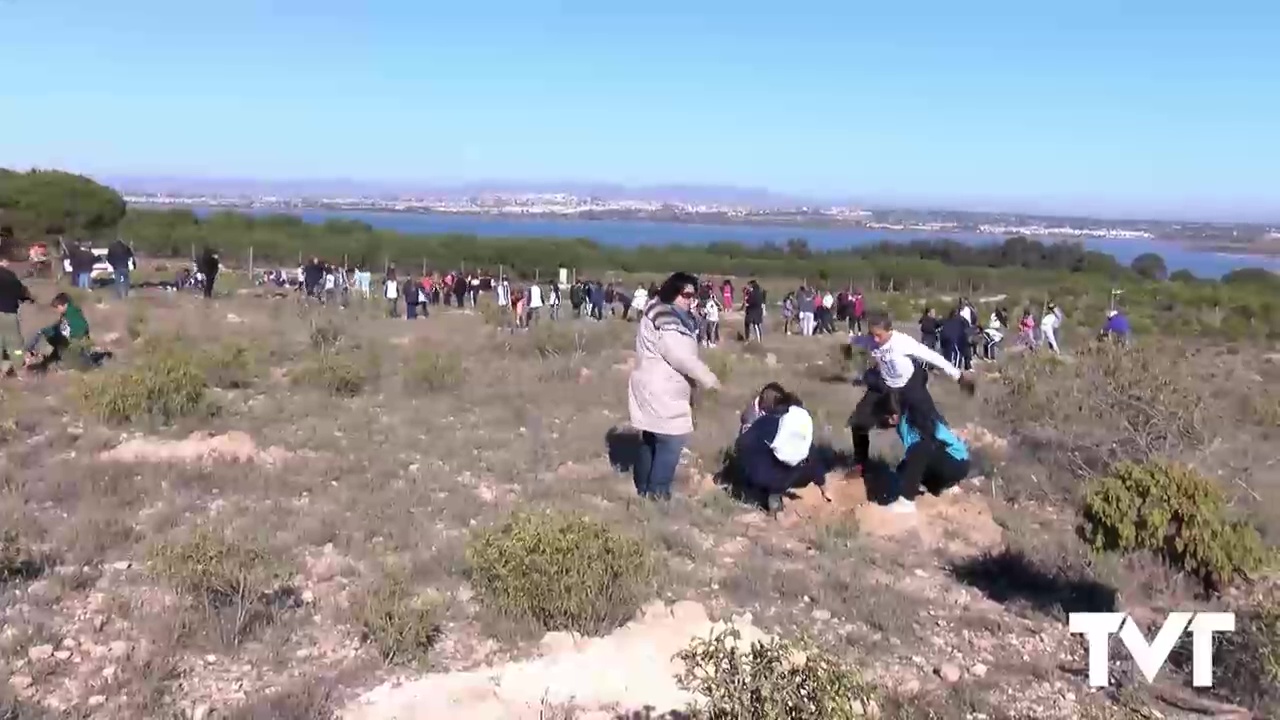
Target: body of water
630, 233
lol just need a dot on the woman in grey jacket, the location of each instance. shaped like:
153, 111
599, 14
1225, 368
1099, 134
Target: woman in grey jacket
660, 391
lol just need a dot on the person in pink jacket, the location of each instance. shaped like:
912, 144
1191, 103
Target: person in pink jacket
660, 390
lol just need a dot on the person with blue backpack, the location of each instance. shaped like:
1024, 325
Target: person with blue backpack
936, 459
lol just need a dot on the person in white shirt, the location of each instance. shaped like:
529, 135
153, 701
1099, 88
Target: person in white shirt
828, 312
711, 323
639, 301
895, 355
535, 303
391, 291
1049, 325
503, 291
330, 286
553, 299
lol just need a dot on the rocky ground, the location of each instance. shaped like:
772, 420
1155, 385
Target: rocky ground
957, 611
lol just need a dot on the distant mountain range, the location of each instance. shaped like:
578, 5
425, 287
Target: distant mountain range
339, 187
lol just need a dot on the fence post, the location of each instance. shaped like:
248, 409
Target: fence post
251, 276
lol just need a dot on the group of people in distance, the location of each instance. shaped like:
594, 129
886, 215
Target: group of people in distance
774, 452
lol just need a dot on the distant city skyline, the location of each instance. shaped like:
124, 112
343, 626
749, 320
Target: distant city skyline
675, 193
1138, 109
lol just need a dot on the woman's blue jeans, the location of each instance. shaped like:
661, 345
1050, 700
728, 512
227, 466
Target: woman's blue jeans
656, 463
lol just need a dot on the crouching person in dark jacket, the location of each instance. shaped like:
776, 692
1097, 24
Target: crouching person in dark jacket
936, 459
775, 453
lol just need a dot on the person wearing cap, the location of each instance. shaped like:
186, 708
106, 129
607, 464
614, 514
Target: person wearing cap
1116, 328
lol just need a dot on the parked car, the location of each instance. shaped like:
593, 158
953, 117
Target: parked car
101, 268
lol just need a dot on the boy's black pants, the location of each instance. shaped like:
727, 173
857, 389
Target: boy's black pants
878, 404
928, 464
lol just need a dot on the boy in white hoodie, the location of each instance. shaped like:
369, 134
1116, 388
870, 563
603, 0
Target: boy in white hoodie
899, 367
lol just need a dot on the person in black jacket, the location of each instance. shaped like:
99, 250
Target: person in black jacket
120, 258
13, 293
929, 327
769, 459
954, 335
313, 277
82, 261
210, 264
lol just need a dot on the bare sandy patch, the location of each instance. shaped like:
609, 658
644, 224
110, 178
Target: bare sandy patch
199, 447
632, 669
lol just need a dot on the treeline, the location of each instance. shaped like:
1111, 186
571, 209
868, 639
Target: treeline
40, 204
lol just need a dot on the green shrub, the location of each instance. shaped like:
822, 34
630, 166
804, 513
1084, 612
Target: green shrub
399, 622
229, 365
773, 680
165, 385
15, 559
433, 371
560, 572
1173, 511
332, 373
238, 584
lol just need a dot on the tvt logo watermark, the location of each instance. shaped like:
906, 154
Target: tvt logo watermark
1098, 628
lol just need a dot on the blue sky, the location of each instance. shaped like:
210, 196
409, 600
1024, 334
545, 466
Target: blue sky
1120, 107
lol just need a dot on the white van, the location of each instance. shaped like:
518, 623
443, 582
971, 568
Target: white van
101, 268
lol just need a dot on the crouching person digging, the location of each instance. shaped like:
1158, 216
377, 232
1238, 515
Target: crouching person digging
68, 337
774, 454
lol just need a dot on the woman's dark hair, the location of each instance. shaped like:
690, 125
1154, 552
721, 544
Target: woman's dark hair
774, 397
674, 285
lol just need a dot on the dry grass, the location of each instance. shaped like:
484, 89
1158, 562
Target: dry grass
412, 437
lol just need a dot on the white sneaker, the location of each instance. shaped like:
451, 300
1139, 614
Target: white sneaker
902, 506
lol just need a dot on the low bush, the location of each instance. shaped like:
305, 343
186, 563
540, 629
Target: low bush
560, 572
772, 680
399, 622
551, 340
314, 699
238, 584
165, 385
497, 315
1247, 664
434, 371
229, 365
1173, 511
720, 363
137, 323
332, 373
325, 335
1141, 397
14, 560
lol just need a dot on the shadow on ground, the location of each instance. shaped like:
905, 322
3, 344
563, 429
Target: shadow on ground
623, 445
1011, 577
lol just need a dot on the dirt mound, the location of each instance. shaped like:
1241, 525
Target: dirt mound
234, 446
624, 672
960, 522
